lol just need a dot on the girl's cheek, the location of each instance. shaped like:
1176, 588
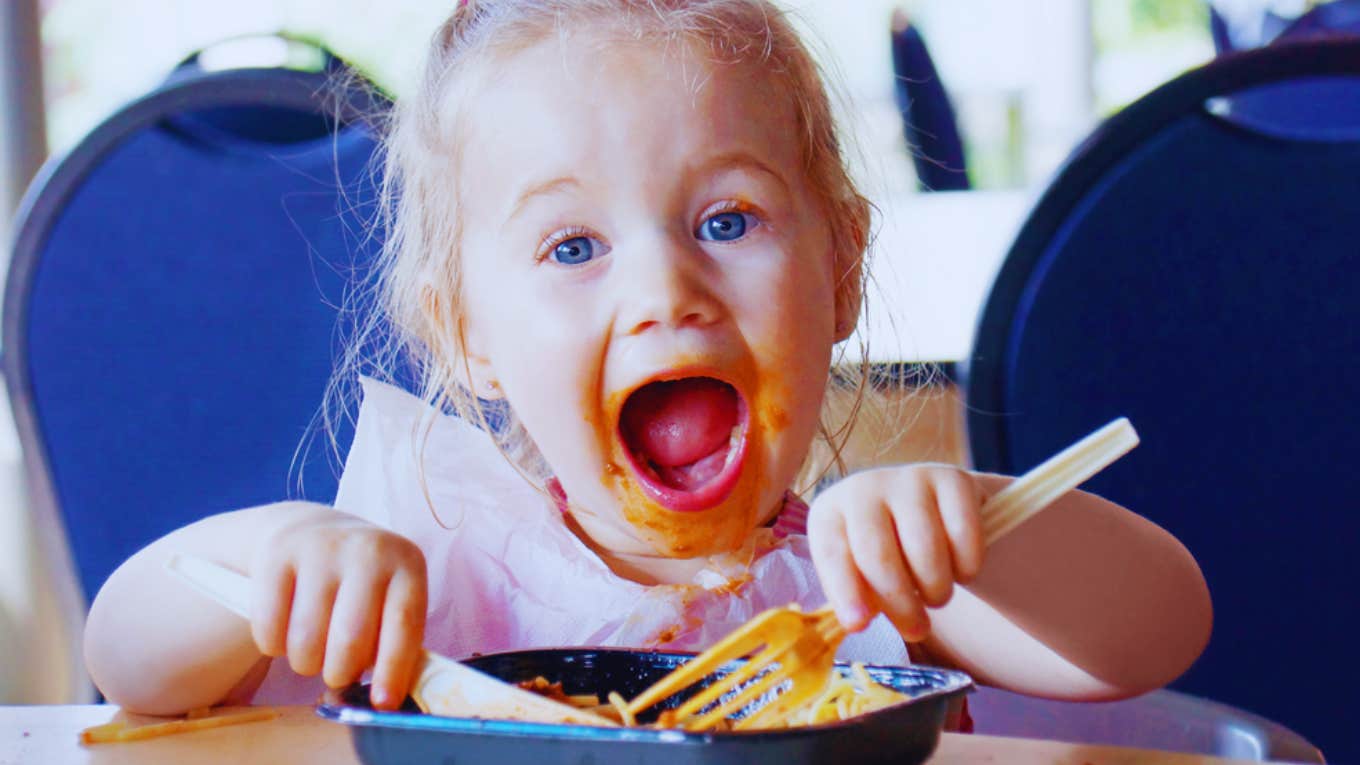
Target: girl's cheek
778, 407
612, 475
776, 419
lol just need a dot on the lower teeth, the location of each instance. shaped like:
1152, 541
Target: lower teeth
732, 442
649, 468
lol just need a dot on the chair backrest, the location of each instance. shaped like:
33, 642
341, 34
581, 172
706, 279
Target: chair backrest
170, 314
1245, 29
1218, 30
1337, 18
1332, 18
1203, 278
929, 123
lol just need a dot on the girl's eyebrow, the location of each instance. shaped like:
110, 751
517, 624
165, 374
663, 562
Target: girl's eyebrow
553, 186
732, 160
739, 160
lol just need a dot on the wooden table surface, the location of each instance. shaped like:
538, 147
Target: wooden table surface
44, 735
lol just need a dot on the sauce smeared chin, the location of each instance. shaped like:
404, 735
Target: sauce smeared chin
687, 465
723, 528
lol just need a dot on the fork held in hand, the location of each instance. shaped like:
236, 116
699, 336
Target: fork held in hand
788, 645
792, 653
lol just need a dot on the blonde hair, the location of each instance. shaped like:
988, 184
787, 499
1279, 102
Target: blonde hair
417, 328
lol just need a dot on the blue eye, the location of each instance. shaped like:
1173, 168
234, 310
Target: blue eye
723, 227
574, 251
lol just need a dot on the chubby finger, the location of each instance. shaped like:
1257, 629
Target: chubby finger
960, 500
873, 543
309, 621
353, 637
272, 600
846, 591
399, 639
925, 548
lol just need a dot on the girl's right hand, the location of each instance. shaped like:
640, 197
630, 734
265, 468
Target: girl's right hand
337, 595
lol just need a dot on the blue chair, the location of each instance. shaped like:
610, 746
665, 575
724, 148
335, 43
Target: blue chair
1218, 30
1202, 276
1230, 39
1306, 108
1336, 18
929, 124
171, 308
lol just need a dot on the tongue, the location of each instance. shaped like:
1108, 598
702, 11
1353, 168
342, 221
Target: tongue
680, 422
692, 476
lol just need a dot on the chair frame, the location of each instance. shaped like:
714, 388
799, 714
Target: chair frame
984, 373
1205, 726
48, 194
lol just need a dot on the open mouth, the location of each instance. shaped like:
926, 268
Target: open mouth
685, 440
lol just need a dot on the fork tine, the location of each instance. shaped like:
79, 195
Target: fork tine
781, 705
748, 694
813, 662
736, 645
828, 626
710, 694
784, 645
809, 680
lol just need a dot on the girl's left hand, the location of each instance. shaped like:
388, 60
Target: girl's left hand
894, 540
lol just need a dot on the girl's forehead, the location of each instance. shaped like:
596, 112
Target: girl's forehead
583, 96
581, 50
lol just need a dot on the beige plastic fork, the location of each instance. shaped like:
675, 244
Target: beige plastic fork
443, 686
792, 653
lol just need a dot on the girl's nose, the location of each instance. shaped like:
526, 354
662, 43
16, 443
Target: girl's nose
667, 283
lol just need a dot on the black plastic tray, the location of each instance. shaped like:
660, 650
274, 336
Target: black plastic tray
900, 734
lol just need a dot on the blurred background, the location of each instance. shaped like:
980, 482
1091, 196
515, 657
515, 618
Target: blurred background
1026, 81
1022, 83
959, 113
1188, 269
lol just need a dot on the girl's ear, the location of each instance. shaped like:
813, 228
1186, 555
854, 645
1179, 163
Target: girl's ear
472, 350
461, 348
850, 239
849, 291
484, 383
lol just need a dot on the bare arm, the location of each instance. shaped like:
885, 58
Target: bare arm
333, 593
153, 644
1087, 600
1084, 601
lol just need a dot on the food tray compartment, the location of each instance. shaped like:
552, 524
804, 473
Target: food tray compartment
899, 734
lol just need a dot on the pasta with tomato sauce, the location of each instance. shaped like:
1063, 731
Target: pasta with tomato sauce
845, 696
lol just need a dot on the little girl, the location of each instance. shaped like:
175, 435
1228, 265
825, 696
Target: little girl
630, 223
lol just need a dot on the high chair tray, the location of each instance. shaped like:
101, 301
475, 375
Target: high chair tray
900, 734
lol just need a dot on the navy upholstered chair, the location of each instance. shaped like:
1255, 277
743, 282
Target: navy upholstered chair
1218, 30
1199, 272
171, 308
1336, 18
1230, 39
929, 123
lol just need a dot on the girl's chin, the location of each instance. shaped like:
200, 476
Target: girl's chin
723, 527
711, 542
